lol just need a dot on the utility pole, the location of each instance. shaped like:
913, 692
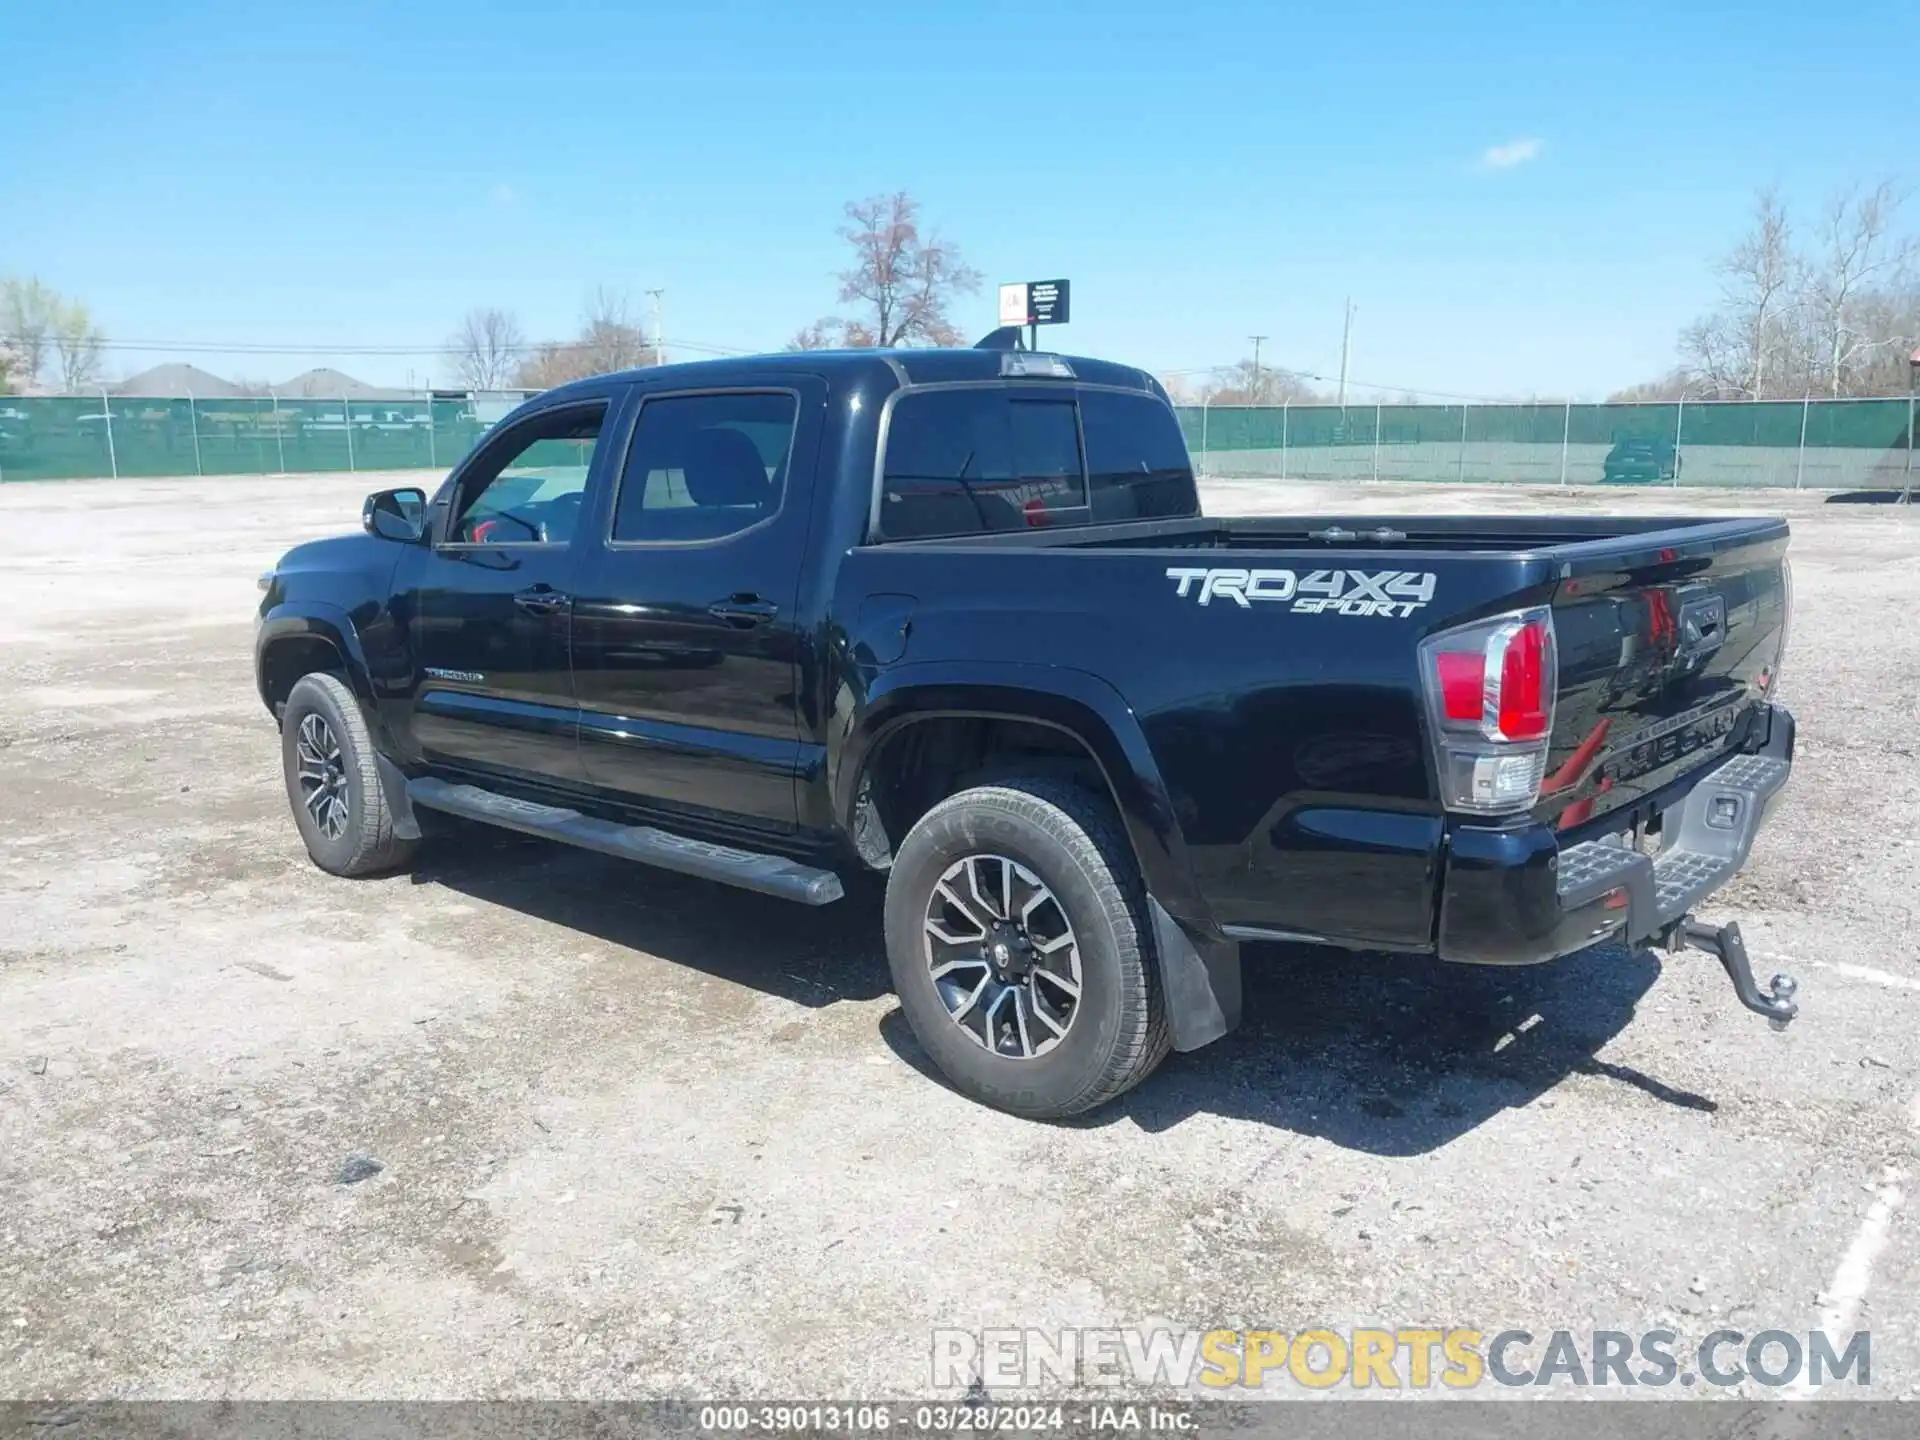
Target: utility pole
1254, 397
659, 335
1346, 351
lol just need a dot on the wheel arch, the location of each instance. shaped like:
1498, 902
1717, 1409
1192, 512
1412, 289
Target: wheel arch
293, 642
1091, 732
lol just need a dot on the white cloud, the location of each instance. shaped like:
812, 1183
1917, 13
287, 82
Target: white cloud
503, 194
1514, 152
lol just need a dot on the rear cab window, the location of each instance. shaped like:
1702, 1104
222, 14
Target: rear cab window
976, 459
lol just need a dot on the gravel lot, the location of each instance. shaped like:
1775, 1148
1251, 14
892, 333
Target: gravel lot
644, 1136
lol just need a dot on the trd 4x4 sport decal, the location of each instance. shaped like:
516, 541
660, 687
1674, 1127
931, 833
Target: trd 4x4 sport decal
1394, 593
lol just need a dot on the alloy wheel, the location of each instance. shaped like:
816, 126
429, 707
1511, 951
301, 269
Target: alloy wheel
1003, 956
322, 774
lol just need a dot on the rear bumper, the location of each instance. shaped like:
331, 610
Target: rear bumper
1514, 897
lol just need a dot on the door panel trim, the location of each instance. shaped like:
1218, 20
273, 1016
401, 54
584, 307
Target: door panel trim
497, 711
700, 742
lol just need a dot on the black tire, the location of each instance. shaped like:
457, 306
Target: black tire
1073, 843
358, 840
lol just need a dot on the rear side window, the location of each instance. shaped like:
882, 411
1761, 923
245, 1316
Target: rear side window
964, 461
704, 466
990, 458
1137, 465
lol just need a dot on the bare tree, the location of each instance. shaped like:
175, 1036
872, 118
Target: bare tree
485, 350
28, 312
1837, 318
1716, 361
1890, 314
77, 343
1244, 383
610, 339
551, 363
1677, 384
1179, 389
1748, 348
1858, 255
820, 335
901, 282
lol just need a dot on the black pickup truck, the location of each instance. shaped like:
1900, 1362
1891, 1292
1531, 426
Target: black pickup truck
955, 616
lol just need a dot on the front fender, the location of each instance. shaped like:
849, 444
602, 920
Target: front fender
293, 621
1081, 704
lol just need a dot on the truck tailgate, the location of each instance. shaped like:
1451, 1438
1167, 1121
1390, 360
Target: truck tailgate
1666, 643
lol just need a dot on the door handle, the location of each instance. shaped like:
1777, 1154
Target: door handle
744, 611
542, 600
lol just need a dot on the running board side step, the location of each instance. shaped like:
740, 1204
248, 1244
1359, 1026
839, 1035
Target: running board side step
747, 869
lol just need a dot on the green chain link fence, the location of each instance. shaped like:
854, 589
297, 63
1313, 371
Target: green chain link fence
1813, 444
58, 437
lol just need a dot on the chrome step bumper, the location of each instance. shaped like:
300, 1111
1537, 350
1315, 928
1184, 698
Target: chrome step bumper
1707, 841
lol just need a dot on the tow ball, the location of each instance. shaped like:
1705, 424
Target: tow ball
1724, 942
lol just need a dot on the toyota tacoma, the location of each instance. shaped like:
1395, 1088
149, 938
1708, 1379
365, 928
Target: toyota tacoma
956, 618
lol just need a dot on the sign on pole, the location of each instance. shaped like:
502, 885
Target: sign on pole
1035, 302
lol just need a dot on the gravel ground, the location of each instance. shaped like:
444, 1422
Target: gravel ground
642, 1136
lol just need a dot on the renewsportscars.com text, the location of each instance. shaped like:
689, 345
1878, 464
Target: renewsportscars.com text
1407, 1357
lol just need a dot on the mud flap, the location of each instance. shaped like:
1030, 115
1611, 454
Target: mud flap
399, 804
1200, 980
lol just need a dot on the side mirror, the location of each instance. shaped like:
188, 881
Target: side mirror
396, 515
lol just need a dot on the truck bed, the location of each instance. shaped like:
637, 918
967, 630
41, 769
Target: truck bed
1273, 661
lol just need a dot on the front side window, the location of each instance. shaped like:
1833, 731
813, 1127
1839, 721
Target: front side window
964, 461
702, 467
528, 491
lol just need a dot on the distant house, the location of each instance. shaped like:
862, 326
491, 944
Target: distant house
326, 383
164, 382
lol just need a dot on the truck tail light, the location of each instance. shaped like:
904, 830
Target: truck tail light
1489, 689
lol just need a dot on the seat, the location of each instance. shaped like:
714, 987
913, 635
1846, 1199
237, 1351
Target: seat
723, 468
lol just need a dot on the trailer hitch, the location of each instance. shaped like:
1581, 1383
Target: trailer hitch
1724, 942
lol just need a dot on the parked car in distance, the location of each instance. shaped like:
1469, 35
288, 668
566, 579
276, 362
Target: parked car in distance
1641, 461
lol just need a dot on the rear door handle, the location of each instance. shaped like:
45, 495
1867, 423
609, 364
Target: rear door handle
744, 611
542, 600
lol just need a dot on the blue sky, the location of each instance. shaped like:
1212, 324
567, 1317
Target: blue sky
361, 173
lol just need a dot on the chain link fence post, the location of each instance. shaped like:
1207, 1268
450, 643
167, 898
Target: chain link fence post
1566, 433
193, 419
1800, 455
1286, 407
346, 418
1376, 441
1906, 489
1460, 462
1206, 403
106, 407
279, 441
432, 462
1679, 419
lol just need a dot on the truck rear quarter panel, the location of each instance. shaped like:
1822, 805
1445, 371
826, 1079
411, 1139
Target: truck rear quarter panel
1285, 742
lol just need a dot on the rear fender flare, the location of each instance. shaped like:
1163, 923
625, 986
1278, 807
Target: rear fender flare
1199, 966
1082, 705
